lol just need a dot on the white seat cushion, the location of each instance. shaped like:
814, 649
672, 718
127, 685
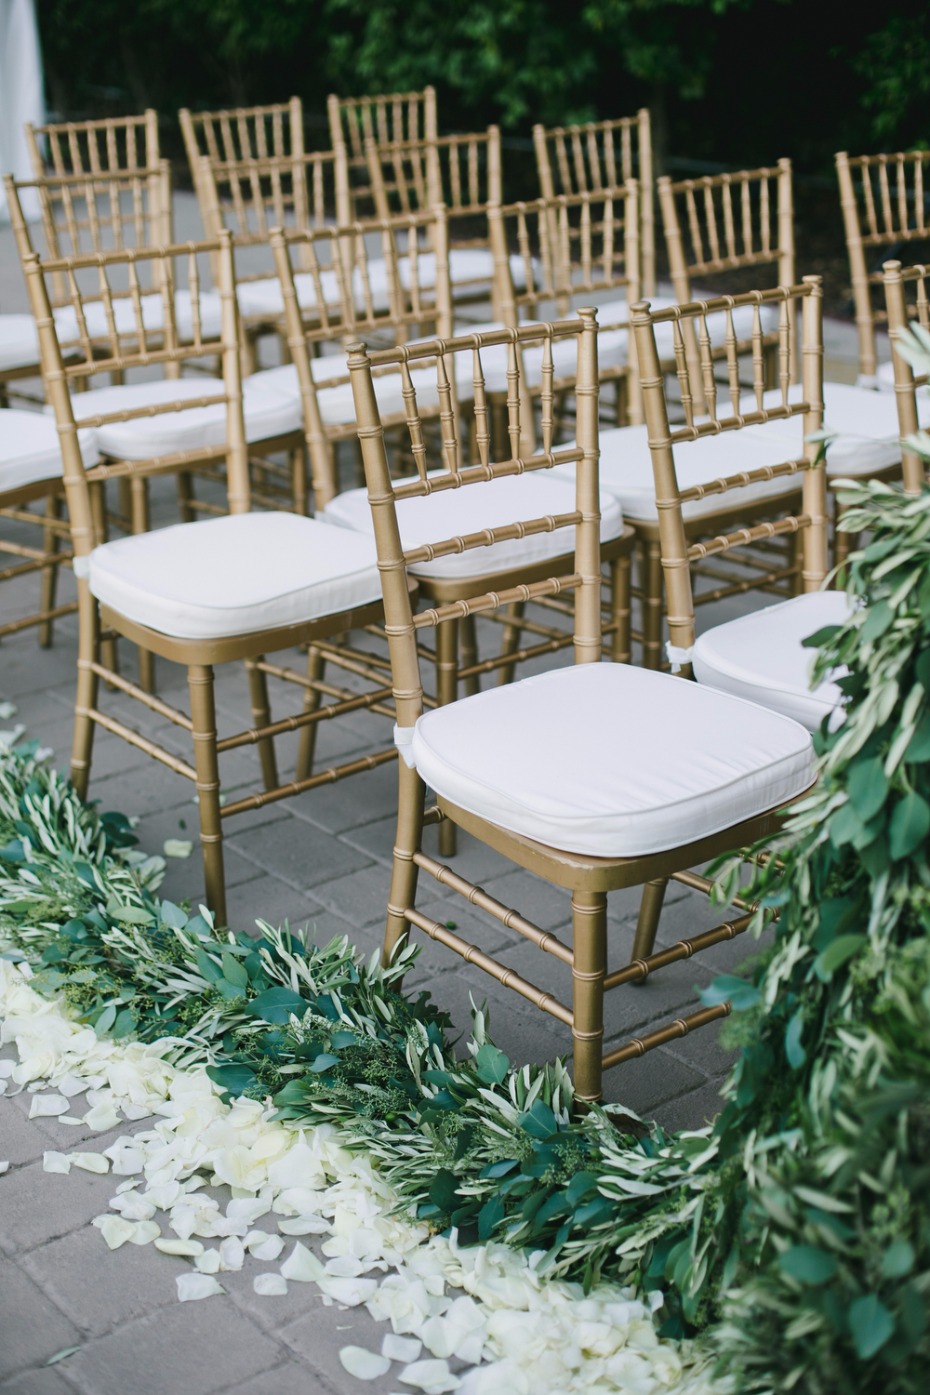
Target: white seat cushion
30, 451
611, 760
457, 512
153, 316
626, 470
865, 422
761, 657
234, 575
884, 377
267, 414
336, 403
19, 342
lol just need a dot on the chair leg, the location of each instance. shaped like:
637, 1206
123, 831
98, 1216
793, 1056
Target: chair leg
306, 748
650, 562
842, 542
87, 688
510, 641
206, 764
447, 683
185, 491
297, 463
410, 797
621, 644
589, 965
261, 717
650, 909
469, 654
50, 545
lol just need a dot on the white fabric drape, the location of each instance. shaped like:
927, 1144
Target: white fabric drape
20, 90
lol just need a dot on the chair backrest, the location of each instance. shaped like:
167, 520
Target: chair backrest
448, 466
596, 155
463, 172
108, 146
82, 213
240, 133
388, 281
907, 302
727, 408
723, 223
884, 201
108, 331
394, 118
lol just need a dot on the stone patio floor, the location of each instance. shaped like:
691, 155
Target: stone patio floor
320, 860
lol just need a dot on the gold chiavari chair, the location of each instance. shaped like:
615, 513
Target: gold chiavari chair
884, 203
464, 173
110, 145
197, 594
717, 229
907, 302
584, 775
240, 133
251, 196
598, 155
394, 118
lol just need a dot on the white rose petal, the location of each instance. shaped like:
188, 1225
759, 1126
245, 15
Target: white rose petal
184, 1249
194, 1286
304, 1225
232, 1253
363, 1364
396, 1348
432, 1377
115, 1230
47, 1106
268, 1249
348, 1292
177, 847
303, 1266
56, 1162
4, 1167
208, 1262
144, 1232
103, 1117
91, 1162
270, 1285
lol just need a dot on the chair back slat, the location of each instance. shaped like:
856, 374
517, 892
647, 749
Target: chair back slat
681, 541
453, 469
112, 145
391, 119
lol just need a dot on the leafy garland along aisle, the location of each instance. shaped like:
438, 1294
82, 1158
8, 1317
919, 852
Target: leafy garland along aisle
796, 1231
106, 990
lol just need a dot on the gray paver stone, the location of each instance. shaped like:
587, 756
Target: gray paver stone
31, 1327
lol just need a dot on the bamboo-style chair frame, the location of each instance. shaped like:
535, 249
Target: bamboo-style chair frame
53, 552
238, 134
594, 156
252, 195
363, 264
198, 656
393, 118
578, 573
884, 204
462, 172
111, 145
571, 248
907, 300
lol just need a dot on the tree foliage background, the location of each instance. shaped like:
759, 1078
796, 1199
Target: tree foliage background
735, 82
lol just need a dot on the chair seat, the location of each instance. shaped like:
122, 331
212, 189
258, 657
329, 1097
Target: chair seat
234, 575
153, 316
457, 512
626, 470
865, 422
30, 450
336, 403
761, 657
884, 377
267, 414
19, 342
611, 760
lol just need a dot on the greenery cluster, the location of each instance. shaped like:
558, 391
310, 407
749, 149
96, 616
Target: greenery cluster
796, 1231
518, 61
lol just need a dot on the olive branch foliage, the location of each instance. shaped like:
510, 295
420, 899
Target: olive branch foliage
795, 1231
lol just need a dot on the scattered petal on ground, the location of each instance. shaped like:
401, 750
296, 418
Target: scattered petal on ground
364, 1364
194, 1286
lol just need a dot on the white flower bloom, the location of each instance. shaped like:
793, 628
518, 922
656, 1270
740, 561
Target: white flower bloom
194, 1286
270, 1285
363, 1364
